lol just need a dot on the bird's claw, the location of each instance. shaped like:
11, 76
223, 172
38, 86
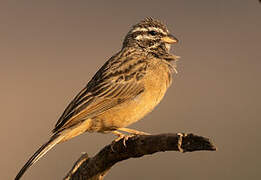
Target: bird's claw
121, 137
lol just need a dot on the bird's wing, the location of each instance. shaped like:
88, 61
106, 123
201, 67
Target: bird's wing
112, 85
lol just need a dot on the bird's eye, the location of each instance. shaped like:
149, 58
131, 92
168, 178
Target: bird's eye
153, 33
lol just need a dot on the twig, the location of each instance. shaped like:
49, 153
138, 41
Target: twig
95, 168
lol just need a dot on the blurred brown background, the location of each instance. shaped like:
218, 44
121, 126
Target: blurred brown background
51, 49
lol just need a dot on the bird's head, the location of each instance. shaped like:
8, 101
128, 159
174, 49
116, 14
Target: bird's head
150, 35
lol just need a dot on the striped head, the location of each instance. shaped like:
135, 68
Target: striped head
150, 35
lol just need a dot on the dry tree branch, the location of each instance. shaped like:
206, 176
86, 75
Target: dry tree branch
95, 168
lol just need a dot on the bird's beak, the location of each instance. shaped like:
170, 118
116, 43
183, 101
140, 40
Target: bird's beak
170, 39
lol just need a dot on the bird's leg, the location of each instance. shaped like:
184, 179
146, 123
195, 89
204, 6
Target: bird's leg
121, 136
125, 137
132, 131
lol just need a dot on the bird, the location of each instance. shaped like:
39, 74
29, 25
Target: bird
127, 87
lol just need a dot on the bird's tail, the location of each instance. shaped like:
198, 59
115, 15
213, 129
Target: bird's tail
55, 139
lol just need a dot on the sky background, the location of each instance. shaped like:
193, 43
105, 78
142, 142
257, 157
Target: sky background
51, 49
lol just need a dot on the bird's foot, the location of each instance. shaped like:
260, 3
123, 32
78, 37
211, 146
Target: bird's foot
120, 137
125, 137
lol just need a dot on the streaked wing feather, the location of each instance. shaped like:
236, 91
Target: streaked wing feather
103, 92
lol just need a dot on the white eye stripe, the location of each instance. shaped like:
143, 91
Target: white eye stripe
143, 36
139, 29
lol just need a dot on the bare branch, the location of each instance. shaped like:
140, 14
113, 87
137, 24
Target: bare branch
95, 168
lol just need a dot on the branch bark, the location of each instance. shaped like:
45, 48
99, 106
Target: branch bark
95, 168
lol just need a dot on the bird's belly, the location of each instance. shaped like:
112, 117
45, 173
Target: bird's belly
133, 110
